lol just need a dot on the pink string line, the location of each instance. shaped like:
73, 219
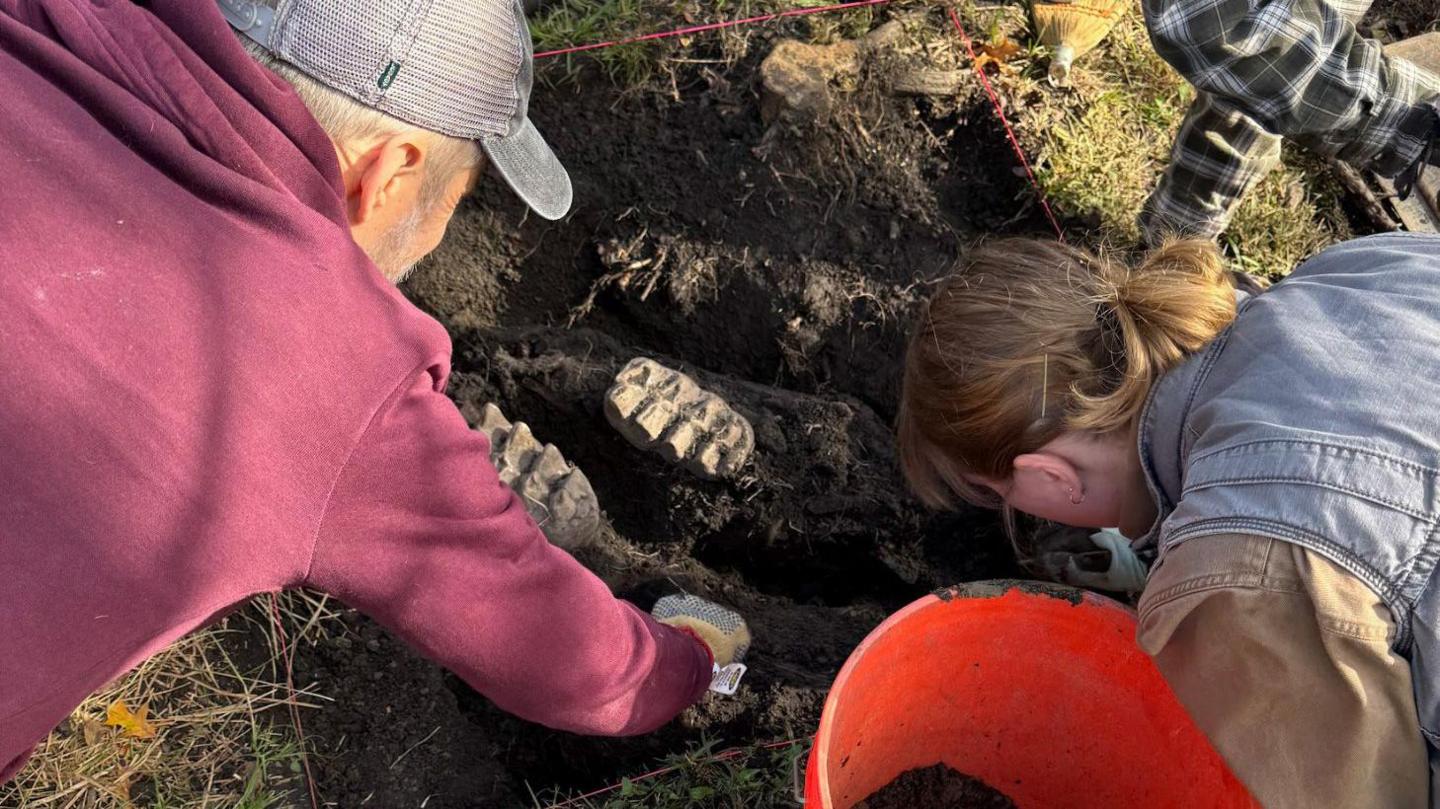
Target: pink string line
724, 755
292, 699
1009, 130
714, 26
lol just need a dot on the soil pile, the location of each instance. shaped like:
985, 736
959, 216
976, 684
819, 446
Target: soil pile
936, 787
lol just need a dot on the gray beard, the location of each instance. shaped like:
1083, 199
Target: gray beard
395, 254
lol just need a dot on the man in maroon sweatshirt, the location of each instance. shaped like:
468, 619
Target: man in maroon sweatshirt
210, 387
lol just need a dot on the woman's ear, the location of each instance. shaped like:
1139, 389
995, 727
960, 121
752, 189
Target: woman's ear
1048, 475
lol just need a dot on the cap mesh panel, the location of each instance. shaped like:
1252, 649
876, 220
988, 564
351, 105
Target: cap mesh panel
347, 49
460, 76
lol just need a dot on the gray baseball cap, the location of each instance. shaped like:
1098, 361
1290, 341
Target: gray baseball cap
460, 67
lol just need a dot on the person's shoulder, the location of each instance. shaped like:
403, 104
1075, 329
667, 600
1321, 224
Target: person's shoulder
1386, 270
1367, 252
400, 338
336, 317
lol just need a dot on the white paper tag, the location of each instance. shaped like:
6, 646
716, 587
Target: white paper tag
727, 680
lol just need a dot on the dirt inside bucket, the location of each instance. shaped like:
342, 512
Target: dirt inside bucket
936, 787
776, 264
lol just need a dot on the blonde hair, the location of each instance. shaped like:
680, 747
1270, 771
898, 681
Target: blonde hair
346, 120
1028, 339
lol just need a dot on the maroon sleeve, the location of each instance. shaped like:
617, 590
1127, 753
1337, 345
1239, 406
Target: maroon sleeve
421, 535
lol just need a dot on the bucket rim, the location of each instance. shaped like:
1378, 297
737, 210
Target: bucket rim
987, 588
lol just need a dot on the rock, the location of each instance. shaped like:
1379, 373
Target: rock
796, 79
1422, 51
930, 82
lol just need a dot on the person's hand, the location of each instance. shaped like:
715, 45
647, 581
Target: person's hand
721, 629
1125, 574
1082, 557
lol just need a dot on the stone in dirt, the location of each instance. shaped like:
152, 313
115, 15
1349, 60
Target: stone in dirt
936, 787
662, 410
799, 80
796, 78
557, 495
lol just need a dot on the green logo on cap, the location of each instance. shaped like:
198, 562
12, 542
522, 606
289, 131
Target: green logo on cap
387, 76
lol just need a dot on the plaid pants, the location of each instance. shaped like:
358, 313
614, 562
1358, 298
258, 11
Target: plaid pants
1263, 70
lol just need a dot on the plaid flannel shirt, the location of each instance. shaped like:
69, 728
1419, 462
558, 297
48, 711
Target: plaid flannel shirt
1271, 68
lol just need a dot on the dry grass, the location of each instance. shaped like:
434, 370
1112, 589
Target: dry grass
223, 734
643, 65
755, 777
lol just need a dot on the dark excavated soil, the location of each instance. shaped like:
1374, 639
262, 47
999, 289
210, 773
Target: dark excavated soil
778, 266
936, 787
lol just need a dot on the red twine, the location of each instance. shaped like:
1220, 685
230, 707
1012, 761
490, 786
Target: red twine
292, 699
954, 18
714, 26
1009, 130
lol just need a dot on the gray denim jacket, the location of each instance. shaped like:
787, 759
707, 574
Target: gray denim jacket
1315, 419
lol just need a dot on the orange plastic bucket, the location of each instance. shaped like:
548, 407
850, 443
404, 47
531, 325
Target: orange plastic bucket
1039, 690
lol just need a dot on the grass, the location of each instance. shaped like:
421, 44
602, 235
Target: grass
1291, 215
754, 777
1102, 157
582, 22
634, 66
223, 736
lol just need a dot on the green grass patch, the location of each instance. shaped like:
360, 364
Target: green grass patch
1283, 221
1103, 156
584, 22
1105, 153
632, 66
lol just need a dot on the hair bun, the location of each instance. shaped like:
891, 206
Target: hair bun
1170, 305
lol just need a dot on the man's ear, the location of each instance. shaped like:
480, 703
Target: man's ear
1050, 472
389, 174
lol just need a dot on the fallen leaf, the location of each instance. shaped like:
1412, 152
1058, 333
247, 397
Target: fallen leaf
134, 725
93, 731
1002, 49
997, 53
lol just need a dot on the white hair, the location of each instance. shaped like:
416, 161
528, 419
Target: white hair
347, 120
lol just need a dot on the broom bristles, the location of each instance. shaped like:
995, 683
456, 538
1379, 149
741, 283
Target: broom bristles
1073, 29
